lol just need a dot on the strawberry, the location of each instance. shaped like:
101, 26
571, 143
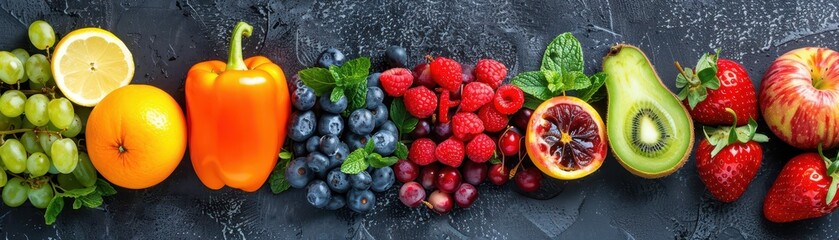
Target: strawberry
728, 159
714, 85
805, 188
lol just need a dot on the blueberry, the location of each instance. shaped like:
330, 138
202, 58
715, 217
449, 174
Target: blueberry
396, 56
361, 201
329, 57
338, 158
294, 83
337, 202
318, 193
331, 124
383, 179
312, 144
380, 114
329, 144
297, 174
303, 98
361, 181
355, 141
302, 126
361, 122
389, 126
373, 80
333, 107
299, 148
338, 181
318, 163
374, 97
385, 142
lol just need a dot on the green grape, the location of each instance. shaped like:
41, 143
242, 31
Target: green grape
53, 170
11, 69
6, 122
38, 69
36, 109
16, 122
68, 181
3, 177
11, 103
36, 86
41, 196
75, 127
41, 35
60, 112
30, 142
47, 139
22, 55
13, 155
15, 192
85, 173
65, 155
38, 164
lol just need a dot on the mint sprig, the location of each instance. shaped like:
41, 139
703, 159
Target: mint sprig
277, 179
90, 197
404, 122
350, 80
361, 158
561, 71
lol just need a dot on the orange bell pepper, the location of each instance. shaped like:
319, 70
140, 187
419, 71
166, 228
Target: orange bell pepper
237, 113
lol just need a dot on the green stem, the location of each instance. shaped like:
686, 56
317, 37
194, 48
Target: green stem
235, 60
22, 130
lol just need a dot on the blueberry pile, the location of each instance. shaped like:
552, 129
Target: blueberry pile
324, 133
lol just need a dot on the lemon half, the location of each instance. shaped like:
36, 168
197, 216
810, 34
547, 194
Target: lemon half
89, 63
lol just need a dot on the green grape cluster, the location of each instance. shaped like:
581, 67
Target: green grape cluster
39, 153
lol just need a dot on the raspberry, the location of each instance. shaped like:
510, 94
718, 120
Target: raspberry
477, 94
447, 73
420, 102
480, 149
466, 125
490, 72
422, 151
445, 104
508, 99
493, 120
450, 152
396, 81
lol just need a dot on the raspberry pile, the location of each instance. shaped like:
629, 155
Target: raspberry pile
462, 110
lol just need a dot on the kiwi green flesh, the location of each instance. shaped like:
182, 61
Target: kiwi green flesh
649, 130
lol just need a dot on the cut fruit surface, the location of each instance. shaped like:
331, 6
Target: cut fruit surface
566, 138
89, 63
650, 131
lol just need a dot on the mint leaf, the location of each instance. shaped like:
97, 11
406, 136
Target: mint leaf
555, 81
533, 83
53, 209
355, 162
105, 188
377, 161
319, 79
92, 200
79, 192
495, 159
357, 95
596, 82
336, 74
355, 70
575, 81
77, 203
285, 155
563, 54
336, 95
532, 102
401, 151
369, 146
400, 117
277, 179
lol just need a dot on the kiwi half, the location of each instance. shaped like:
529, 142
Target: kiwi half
650, 131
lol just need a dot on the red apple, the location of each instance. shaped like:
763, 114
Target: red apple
799, 98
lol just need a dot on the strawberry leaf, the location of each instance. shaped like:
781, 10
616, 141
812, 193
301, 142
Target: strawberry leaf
831, 191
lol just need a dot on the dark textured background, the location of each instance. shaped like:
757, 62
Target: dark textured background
167, 37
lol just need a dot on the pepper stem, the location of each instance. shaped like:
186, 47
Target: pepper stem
235, 60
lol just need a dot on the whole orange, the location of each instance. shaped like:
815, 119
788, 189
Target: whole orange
136, 136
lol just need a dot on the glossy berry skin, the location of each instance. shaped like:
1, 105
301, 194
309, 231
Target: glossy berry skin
405, 171
331, 56
441, 202
329, 144
302, 126
337, 202
375, 95
411, 194
373, 80
443, 131
303, 98
313, 144
529, 180
448, 179
318, 163
389, 126
380, 115
383, 179
355, 141
396, 81
498, 174
474, 173
330, 124
422, 129
361, 201
428, 176
728, 174
522, 118
396, 56
465, 195
332, 107
318, 193
447, 73
510, 142
736, 92
338, 181
361, 181
422, 76
800, 191
361, 122
384, 142
297, 174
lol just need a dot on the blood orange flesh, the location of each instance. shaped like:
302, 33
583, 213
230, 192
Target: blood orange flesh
566, 138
